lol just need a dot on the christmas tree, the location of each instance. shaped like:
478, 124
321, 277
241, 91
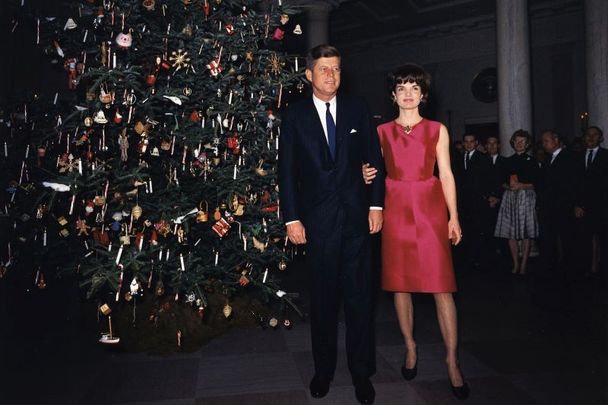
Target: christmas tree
159, 171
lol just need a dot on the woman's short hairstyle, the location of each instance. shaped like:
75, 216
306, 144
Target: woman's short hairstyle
520, 133
320, 51
410, 73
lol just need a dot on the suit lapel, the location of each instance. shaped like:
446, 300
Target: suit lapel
317, 128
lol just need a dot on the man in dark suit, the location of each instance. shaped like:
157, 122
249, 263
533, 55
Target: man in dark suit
471, 172
497, 177
555, 204
325, 203
592, 196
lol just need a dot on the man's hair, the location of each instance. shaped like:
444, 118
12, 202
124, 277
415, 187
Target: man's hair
410, 73
320, 51
470, 134
598, 129
492, 136
554, 134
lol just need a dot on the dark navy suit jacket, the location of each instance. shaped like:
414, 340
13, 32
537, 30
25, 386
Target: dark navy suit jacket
329, 195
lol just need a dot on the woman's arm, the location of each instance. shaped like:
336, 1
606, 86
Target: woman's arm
447, 183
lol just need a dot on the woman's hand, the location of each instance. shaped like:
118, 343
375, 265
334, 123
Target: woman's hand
454, 231
369, 173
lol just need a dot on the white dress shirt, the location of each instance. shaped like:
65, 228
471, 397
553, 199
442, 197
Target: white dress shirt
554, 155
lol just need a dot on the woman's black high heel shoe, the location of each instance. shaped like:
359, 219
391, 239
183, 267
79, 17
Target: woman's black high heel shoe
409, 373
461, 392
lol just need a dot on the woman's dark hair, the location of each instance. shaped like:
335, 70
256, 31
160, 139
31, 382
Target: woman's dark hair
520, 133
410, 73
320, 51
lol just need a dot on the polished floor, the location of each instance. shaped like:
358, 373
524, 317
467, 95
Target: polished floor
522, 341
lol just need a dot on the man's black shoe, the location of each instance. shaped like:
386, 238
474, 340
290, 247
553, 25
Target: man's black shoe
319, 387
364, 390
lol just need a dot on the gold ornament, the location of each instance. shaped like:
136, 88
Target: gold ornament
179, 59
276, 65
136, 212
88, 121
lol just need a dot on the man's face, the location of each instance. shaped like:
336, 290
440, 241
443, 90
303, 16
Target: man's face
550, 143
592, 138
492, 146
469, 142
325, 77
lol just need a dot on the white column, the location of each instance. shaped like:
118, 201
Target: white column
318, 23
596, 47
513, 54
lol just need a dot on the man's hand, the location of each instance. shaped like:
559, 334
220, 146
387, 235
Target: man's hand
375, 219
369, 173
493, 201
296, 233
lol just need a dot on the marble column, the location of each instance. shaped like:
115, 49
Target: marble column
596, 47
513, 55
318, 23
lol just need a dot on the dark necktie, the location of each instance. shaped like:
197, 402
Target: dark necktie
331, 131
467, 160
589, 158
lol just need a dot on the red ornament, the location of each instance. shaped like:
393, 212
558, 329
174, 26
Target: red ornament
278, 34
230, 29
151, 80
206, 8
214, 68
221, 227
195, 116
232, 142
117, 117
71, 66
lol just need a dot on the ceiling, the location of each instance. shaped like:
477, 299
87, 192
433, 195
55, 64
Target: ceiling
361, 20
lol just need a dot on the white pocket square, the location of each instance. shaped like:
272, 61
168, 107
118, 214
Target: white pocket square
353, 131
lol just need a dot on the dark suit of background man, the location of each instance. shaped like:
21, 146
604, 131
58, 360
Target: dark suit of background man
591, 208
498, 175
556, 204
472, 206
324, 141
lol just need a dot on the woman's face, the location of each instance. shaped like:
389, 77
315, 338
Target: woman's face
520, 144
408, 95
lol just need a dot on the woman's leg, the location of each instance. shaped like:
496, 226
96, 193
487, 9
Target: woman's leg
405, 314
514, 248
525, 249
446, 315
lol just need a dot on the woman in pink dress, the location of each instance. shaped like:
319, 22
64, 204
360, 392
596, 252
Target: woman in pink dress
416, 235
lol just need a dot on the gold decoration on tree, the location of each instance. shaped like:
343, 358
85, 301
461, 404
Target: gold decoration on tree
276, 64
179, 59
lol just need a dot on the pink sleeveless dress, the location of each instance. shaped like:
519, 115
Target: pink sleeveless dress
416, 253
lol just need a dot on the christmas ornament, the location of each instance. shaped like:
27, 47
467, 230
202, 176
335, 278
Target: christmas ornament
179, 59
214, 67
227, 311
202, 214
149, 4
124, 40
136, 211
276, 65
82, 227
282, 265
221, 227
273, 322
69, 24
100, 118
73, 68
